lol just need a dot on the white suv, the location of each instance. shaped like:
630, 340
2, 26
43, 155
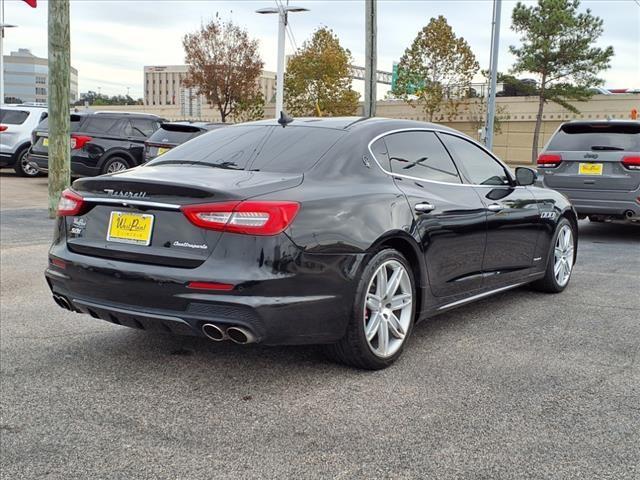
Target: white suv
16, 124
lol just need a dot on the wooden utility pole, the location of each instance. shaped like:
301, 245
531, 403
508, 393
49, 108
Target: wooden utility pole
58, 94
370, 61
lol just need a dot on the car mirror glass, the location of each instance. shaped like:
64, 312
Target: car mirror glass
525, 176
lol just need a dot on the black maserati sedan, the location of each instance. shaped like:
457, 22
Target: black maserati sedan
336, 231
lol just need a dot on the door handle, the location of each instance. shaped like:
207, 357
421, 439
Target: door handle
424, 207
495, 207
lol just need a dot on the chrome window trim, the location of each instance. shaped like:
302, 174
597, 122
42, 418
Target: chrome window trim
437, 130
126, 201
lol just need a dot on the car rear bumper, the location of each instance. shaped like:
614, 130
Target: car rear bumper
309, 304
77, 168
604, 202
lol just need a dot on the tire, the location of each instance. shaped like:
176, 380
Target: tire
113, 165
21, 166
554, 282
354, 348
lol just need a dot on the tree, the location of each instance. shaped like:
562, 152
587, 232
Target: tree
250, 109
558, 47
223, 65
93, 98
515, 87
436, 71
318, 78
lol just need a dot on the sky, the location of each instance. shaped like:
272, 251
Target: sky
111, 40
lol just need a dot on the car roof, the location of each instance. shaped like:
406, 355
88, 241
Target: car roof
348, 123
617, 121
22, 107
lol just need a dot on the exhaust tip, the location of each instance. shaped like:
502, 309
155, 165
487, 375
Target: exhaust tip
240, 335
62, 302
213, 332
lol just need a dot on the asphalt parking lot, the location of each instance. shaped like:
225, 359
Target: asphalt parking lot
520, 385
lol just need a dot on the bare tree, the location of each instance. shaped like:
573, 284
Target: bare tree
223, 65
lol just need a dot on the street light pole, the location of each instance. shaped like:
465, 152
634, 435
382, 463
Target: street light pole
282, 25
493, 70
282, 11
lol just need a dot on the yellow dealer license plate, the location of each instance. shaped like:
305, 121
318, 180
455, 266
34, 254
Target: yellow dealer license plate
590, 169
45, 142
130, 228
162, 150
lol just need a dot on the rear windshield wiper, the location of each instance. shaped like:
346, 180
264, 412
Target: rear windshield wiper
606, 147
225, 165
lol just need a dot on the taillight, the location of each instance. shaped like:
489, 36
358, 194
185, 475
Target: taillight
632, 163
70, 203
3, 128
248, 217
549, 160
79, 141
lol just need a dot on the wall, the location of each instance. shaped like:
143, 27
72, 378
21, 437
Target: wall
512, 144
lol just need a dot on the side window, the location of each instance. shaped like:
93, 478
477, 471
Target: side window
420, 154
480, 167
142, 127
99, 124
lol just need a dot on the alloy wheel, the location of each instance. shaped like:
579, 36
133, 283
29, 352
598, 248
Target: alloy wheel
388, 309
117, 166
563, 256
26, 167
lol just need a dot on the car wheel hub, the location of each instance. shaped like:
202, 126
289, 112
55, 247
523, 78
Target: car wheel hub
563, 256
388, 309
116, 167
26, 166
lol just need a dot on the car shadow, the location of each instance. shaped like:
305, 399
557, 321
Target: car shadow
606, 232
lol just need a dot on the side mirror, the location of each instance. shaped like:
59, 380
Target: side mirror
525, 176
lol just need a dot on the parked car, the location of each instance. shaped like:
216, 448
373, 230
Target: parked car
596, 164
101, 142
172, 134
337, 231
16, 124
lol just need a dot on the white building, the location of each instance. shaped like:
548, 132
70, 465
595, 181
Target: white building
26, 78
163, 85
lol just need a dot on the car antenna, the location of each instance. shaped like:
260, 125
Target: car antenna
284, 119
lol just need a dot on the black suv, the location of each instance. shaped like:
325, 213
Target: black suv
101, 142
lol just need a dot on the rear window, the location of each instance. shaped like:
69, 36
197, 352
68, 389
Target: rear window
13, 117
75, 120
265, 148
597, 136
174, 134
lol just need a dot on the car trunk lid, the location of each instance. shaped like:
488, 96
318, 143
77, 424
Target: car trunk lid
152, 197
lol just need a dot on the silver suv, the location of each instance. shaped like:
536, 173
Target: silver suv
16, 124
596, 164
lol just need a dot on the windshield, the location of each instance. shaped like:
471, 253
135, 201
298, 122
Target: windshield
581, 137
255, 147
